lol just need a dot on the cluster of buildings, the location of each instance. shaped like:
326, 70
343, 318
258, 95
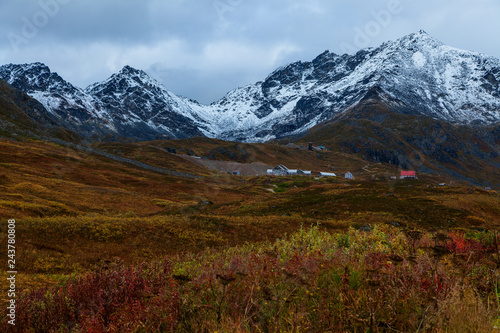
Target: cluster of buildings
282, 170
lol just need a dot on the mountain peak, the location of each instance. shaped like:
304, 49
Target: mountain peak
128, 70
421, 34
34, 76
35, 67
415, 74
37, 64
135, 77
419, 38
127, 78
325, 56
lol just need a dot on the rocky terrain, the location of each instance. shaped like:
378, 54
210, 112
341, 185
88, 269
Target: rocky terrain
413, 75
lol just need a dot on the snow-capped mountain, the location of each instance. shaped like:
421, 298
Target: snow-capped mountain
413, 75
72, 105
141, 107
129, 104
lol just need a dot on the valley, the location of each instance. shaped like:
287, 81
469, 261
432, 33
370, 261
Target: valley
80, 213
137, 210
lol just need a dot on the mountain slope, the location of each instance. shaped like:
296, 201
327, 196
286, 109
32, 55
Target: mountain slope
71, 105
128, 105
416, 74
374, 132
142, 108
23, 116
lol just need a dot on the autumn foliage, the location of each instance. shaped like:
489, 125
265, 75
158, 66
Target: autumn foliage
310, 281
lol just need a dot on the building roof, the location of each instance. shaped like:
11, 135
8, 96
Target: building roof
408, 173
280, 167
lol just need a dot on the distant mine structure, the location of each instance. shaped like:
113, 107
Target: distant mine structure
327, 174
281, 170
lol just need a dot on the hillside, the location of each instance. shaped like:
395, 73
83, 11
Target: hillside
49, 182
270, 154
21, 116
102, 213
99, 212
374, 132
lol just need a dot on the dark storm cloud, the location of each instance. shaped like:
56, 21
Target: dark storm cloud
203, 48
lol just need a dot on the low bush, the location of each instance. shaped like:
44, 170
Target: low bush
310, 281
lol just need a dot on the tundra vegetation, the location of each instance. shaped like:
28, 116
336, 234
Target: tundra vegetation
106, 246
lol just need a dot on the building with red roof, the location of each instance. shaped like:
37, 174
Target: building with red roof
408, 174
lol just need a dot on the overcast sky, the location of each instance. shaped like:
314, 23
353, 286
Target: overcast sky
201, 49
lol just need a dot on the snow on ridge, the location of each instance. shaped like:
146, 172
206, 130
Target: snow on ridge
445, 80
419, 71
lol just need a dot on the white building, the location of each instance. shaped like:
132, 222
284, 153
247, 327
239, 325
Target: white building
349, 175
282, 170
279, 170
327, 174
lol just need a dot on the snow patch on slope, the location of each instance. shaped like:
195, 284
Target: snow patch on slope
419, 59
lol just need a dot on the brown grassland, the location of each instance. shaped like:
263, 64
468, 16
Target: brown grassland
329, 251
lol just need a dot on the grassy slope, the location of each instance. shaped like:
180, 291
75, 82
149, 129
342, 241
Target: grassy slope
268, 153
76, 210
312, 281
79, 212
